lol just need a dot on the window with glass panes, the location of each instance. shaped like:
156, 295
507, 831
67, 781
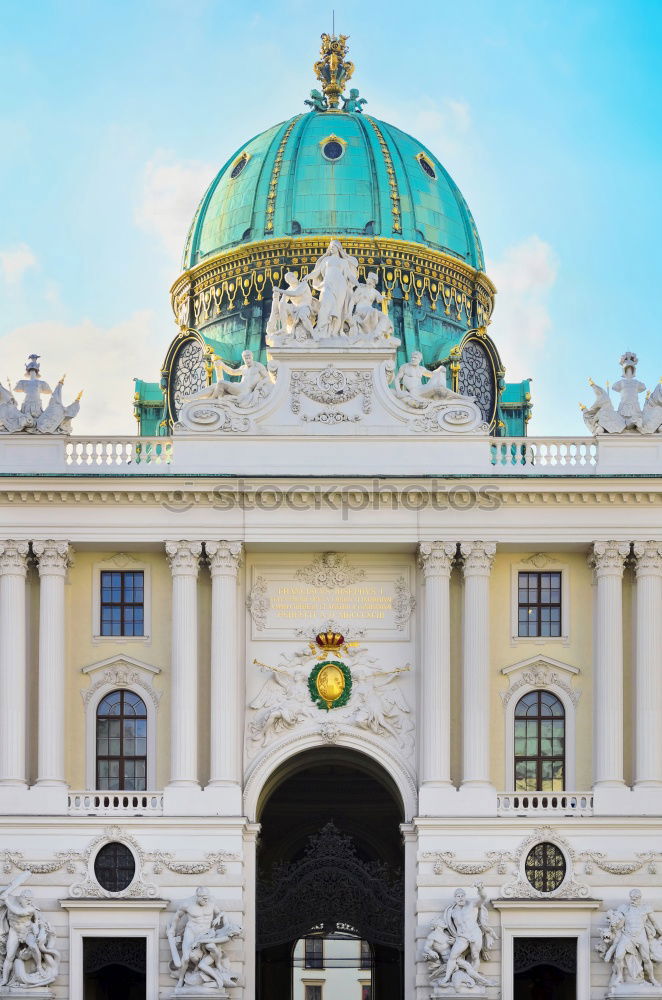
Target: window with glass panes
122, 742
122, 602
366, 955
314, 953
539, 605
539, 743
313, 993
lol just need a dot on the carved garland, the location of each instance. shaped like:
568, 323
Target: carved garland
121, 676
540, 675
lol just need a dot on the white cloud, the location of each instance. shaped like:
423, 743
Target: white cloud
524, 277
100, 360
170, 195
14, 262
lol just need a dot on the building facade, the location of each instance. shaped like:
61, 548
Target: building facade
334, 662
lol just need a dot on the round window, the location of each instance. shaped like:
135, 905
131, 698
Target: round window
333, 149
239, 166
114, 867
427, 167
545, 867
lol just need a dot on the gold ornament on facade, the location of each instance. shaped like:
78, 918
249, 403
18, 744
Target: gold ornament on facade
333, 70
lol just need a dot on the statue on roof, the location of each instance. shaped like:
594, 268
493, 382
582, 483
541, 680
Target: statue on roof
353, 102
317, 102
603, 418
31, 416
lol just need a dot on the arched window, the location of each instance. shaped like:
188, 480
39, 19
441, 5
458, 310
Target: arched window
539, 743
122, 742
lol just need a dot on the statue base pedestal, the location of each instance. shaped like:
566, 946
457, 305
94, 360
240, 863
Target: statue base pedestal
43, 992
197, 993
448, 992
633, 991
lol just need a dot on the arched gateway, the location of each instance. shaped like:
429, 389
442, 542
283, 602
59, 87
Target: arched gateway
330, 864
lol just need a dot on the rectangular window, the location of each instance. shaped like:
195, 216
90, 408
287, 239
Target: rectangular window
366, 993
313, 993
539, 605
366, 956
122, 602
314, 954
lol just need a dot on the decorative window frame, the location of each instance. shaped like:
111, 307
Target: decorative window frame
521, 888
424, 156
90, 887
540, 562
333, 138
119, 672
122, 562
541, 673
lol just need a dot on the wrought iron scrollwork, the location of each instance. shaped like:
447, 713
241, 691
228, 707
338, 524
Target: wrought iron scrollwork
330, 888
190, 373
476, 378
559, 952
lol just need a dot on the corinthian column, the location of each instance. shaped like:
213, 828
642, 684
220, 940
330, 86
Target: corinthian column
226, 674
608, 561
184, 559
13, 667
54, 560
648, 676
477, 559
436, 560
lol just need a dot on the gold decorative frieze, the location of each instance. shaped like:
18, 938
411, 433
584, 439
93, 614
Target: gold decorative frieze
394, 194
409, 268
275, 174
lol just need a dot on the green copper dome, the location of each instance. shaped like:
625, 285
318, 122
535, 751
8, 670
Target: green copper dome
333, 172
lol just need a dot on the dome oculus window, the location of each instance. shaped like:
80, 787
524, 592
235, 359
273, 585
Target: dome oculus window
545, 867
333, 148
114, 867
426, 166
239, 165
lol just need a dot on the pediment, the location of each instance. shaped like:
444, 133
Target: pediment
121, 671
541, 671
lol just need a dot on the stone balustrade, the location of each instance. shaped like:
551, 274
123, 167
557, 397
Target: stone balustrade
545, 804
115, 803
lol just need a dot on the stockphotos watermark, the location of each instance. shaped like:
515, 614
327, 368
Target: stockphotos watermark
376, 495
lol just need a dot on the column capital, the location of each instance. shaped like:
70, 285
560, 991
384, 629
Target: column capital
649, 558
436, 558
13, 557
477, 557
184, 557
54, 556
224, 557
608, 558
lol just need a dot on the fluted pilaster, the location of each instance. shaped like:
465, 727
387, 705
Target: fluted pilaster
226, 673
436, 561
54, 558
648, 676
184, 559
477, 559
608, 561
13, 706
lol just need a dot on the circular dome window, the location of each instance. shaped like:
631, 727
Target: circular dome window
332, 149
239, 166
114, 867
426, 166
545, 867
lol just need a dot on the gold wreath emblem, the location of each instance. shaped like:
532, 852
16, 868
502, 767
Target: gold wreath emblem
330, 683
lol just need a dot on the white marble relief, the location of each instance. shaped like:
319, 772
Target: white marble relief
222, 405
30, 960
459, 939
196, 935
632, 944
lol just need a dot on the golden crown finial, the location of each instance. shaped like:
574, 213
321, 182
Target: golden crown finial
333, 70
329, 641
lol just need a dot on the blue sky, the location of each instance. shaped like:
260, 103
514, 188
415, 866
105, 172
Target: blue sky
114, 117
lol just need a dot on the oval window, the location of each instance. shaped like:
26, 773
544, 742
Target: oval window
333, 149
239, 166
114, 867
426, 166
545, 867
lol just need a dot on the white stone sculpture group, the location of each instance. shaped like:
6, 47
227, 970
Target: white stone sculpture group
458, 940
30, 960
196, 935
347, 313
413, 391
602, 418
632, 943
31, 416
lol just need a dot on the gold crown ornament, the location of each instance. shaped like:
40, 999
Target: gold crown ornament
330, 642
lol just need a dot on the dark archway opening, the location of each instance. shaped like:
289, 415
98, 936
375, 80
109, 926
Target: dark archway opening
330, 859
114, 968
545, 968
